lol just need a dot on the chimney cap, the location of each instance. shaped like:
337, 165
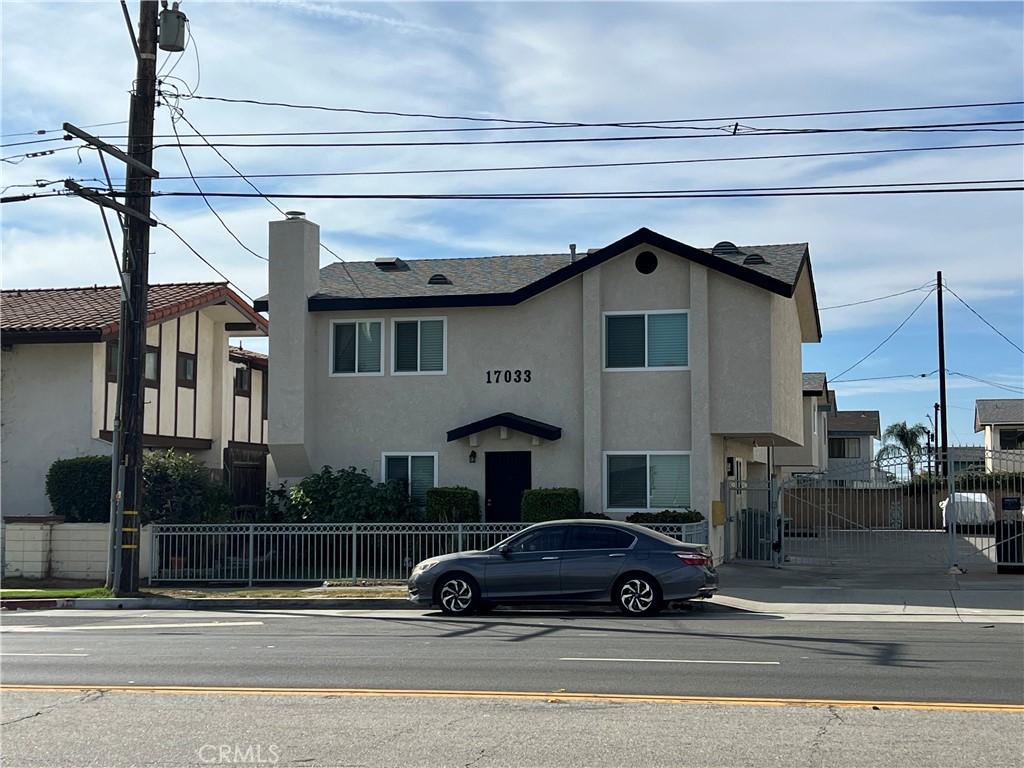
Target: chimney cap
295, 214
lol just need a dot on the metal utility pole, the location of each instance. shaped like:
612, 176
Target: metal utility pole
138, 186
942, 466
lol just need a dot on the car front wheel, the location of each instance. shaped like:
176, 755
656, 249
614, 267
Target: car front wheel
458, 595
638, 595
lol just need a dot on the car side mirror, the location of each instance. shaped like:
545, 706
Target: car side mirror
503, 550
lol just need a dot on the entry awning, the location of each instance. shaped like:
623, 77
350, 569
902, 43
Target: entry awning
511, 421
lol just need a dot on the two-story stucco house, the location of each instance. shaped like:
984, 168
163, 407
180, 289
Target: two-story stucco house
59, 368
812, 457
633, 373
851, 447
1003, 424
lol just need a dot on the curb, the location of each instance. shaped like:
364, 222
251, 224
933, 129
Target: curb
202, 603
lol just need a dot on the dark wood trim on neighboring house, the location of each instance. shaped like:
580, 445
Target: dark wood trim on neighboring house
165, 441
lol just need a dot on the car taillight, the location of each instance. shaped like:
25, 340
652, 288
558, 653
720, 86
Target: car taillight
694, 558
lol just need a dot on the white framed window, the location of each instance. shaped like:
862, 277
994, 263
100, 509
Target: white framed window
417, 470
643, 341
654, 480
357, 348
419, 346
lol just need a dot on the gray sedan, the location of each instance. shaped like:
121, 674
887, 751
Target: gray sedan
569, 561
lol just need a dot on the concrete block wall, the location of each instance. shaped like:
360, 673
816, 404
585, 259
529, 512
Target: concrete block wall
50, 548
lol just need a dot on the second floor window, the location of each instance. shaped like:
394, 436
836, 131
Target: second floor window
640, 340
356, 347
1011, 439
186, 375
419, 346
843, 448
243, 381
152, 367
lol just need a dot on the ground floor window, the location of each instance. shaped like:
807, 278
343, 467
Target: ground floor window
417, 470
654, 480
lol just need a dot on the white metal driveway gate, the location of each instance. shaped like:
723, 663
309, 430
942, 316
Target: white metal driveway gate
870, 514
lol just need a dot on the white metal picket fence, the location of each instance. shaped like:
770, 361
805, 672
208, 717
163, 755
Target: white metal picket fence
315, 552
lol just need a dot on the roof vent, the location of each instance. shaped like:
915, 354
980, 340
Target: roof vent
755, 258
388, 263
439, 279
725, 248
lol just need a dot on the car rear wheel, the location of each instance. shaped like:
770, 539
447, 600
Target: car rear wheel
638, 595
458, 595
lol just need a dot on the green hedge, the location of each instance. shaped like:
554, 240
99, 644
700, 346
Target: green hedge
540, 504
456, 504
666, 516
79, 489
342, 496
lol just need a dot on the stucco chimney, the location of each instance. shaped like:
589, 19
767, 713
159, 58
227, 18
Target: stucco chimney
294, 276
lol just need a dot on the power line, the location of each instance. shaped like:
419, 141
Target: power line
181, 114
1007, 387
208, 205
883, 378
638, 163
43, 131
880, 298
975, 127
869, 354
174, 232
986, 322
651, 195
575, 124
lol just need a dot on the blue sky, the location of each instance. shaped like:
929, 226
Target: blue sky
568, 62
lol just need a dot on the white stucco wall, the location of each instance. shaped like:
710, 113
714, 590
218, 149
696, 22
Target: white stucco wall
45, 415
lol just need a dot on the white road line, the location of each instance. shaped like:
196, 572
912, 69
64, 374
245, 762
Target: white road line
795, 587
44, 654
673, 661
135, 626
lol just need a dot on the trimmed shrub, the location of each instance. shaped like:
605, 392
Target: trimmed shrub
540, 504
79, 489
666, 516
456, 504
595, 516
177, 488
350, 496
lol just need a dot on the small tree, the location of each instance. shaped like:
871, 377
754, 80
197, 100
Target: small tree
177, 488
902, 443
79, 489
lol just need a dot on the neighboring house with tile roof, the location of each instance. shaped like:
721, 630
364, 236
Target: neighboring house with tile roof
811, 457
1003, 424
851, 447
633, 372
59, 363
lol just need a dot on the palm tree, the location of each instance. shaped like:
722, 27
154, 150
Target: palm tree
902, 442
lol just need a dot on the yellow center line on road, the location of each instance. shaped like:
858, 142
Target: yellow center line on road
559, 697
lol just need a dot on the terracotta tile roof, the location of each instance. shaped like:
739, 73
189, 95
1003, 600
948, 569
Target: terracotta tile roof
251, 356
95, 311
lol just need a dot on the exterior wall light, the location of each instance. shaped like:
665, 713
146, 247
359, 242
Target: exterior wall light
472, 457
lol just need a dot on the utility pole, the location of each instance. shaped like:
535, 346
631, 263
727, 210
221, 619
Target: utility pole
138, 186
943, 433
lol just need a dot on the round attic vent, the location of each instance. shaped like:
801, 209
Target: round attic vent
755, 258
439, 279
725, 248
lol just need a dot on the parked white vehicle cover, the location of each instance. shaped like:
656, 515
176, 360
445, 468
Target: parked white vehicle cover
967, 508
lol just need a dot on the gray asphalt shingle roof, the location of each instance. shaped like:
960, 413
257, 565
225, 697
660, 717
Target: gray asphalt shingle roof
1008, 411
855, 422
507, 274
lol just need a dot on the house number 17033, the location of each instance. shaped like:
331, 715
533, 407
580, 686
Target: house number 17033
516, 376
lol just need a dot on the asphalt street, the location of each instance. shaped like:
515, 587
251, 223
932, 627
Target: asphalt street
712, 653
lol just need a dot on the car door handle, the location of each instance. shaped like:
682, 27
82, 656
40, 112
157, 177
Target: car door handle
620, 554
549, 558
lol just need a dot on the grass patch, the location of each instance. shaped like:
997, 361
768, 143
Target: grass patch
55, 593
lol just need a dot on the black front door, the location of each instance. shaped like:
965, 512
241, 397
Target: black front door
507, 474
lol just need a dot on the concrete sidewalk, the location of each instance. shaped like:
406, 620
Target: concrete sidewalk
791, 592
803, 591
